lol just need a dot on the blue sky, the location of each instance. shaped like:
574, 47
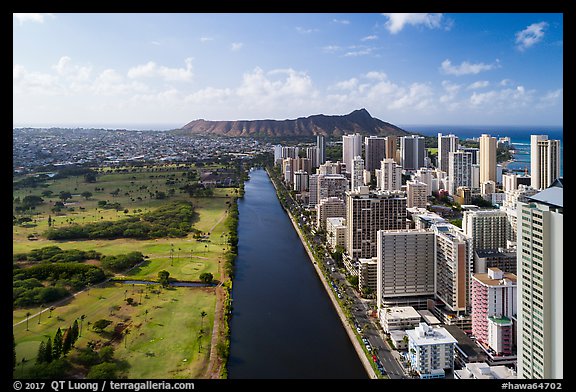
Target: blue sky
419, 69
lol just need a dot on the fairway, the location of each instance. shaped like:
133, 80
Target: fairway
164, 324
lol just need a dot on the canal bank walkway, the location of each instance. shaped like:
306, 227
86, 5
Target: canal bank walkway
363, 358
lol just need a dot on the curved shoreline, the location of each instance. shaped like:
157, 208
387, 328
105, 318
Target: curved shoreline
351, 335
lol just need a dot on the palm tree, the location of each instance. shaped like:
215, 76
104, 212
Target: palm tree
27, 316
126, 333
202, 315
51, 309
40, 314
81, 322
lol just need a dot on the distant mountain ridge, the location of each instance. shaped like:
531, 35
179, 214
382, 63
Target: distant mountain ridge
333, 125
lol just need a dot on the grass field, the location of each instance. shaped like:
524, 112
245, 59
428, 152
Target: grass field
163, 340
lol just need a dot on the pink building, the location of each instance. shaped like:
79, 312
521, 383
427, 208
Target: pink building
493, 307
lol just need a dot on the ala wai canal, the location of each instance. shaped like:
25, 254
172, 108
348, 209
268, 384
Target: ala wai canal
283, 324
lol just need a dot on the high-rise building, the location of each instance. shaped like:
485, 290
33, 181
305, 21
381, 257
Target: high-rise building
366, 213
332, 185
475, 171
277, 154
463, 195
405, 268
290, 152
487, 158
504, 259
375, 151
459, 170
512, 197
453, 266
351, 147
493, 307
330, 167
417, 194
412, 152
336, 232
392, 148
487, 228
431, 350
313, 189
288, 170
425, 175
544, 161
331, 207
390, 175
475, 154
446, 144
540, 247
487, 187
320, 149
357, 177
367, 274
312, 154
300, 181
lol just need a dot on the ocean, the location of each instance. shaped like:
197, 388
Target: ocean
519, 137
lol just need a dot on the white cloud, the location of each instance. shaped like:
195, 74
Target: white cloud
451, 91
303, 30
466, 68
530, 36
151, 70
331, 48
501, 101
21, 18
27, 82
359, 51
375, 75
341, 21
551, 98
205, 39
349, 84
74, 72
236, 46
369, 38
478, 84
397, 21
374, 89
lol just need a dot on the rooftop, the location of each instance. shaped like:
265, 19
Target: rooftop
426, 335
553, 195
507, 277
401, 312
466, 345
429, 317
481, 370
500, 320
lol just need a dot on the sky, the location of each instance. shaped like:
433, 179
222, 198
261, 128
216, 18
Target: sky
161, 70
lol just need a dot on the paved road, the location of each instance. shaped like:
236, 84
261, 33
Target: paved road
369, 327
360, 307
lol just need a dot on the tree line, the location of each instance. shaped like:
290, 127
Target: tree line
56, 272
171, 220
55, 254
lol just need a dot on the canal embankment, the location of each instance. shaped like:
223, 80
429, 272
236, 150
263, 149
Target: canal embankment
351, 334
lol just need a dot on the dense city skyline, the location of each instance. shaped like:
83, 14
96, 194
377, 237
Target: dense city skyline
145, 69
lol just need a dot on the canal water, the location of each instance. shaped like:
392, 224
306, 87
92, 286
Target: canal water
283, 324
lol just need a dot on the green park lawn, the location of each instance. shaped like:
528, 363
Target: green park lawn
163, 339
163, 343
